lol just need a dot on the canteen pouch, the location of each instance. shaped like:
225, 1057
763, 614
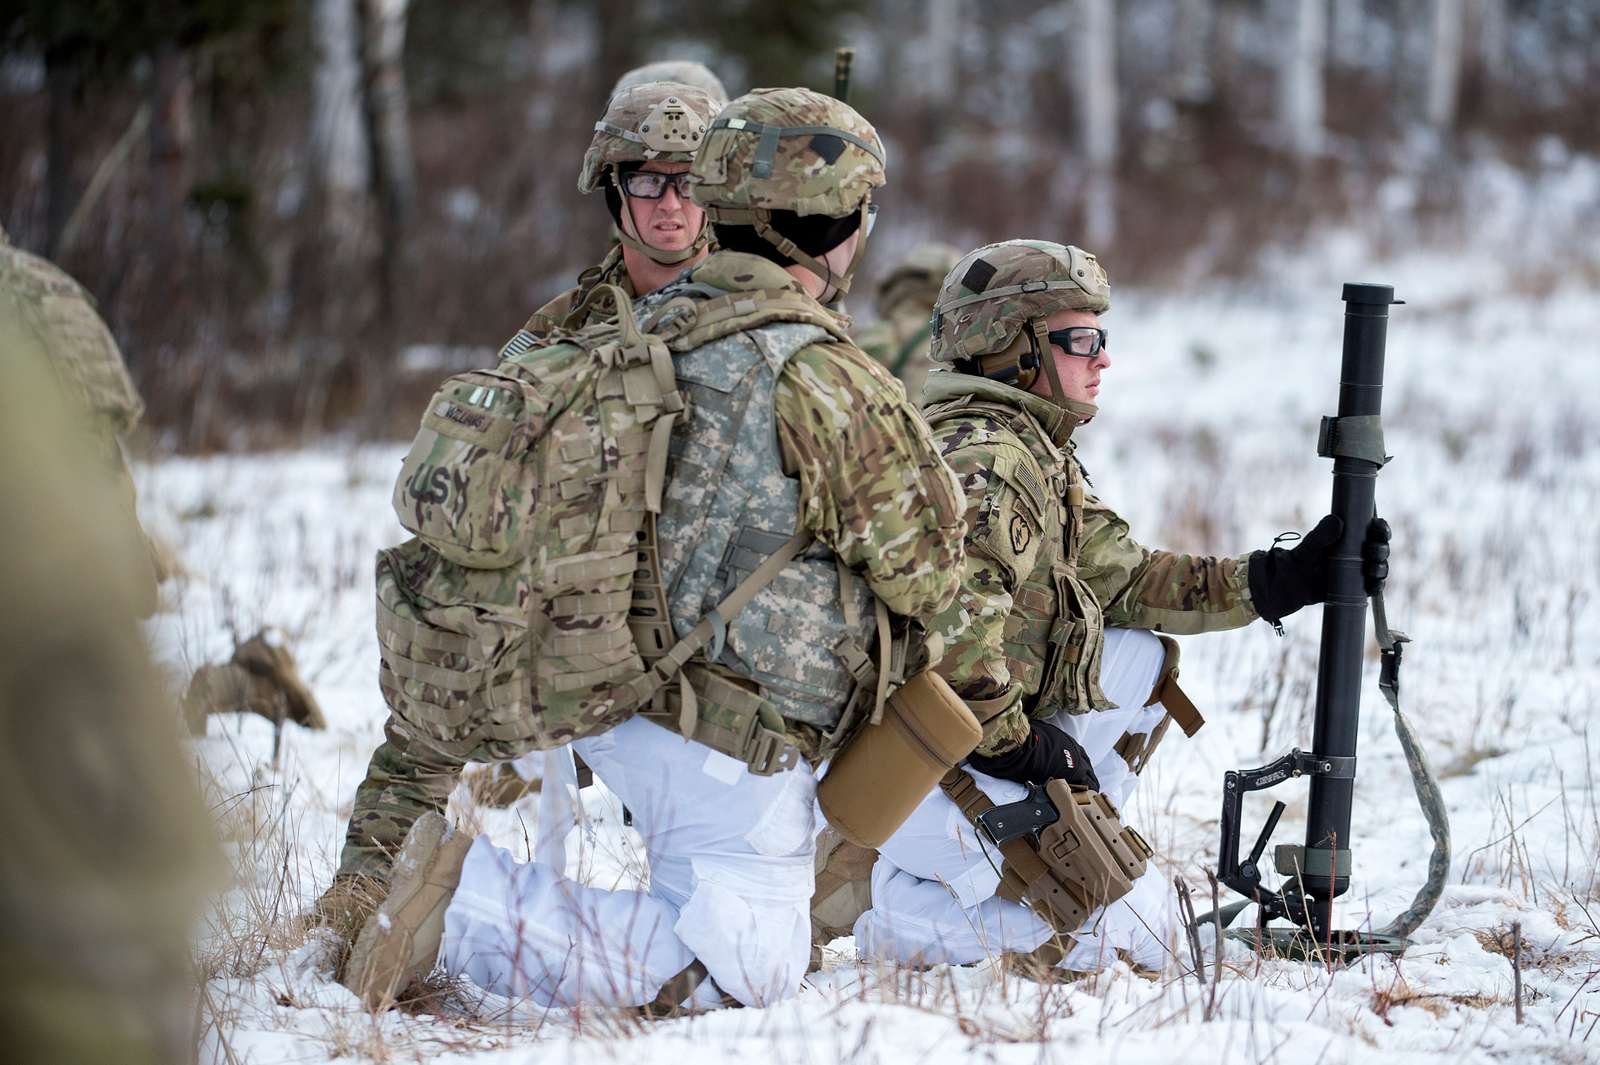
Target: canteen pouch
888, 768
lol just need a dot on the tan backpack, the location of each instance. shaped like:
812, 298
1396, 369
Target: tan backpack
532, 491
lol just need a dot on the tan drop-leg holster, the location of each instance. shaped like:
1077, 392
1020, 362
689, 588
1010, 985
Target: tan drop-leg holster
1086, 859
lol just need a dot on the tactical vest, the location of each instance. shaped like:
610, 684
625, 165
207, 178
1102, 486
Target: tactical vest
1055, 634
728, 506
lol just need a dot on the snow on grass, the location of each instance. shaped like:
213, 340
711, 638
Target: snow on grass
1207, 442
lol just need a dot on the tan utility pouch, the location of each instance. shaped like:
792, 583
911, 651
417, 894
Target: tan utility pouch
888, 768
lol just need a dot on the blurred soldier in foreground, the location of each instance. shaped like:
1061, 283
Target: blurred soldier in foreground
1052, 640
899, 338
105, 854
52, 321
707, 600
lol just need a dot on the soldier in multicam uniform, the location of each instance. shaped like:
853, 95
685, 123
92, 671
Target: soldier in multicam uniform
790, 433
1052, 638
52, 318
639, 159
899, 338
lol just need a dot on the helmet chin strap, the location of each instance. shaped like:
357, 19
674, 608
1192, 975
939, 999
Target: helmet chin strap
659, 256
1039, 331
760, 221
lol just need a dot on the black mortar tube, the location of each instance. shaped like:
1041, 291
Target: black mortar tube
1344, 615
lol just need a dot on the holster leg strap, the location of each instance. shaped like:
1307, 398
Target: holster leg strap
1166, 692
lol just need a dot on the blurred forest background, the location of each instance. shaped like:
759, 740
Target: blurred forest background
293, 211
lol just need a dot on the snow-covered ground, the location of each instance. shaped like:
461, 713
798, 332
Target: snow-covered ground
1207, 441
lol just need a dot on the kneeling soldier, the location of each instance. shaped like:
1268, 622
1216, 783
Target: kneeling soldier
1052, 641
713, 524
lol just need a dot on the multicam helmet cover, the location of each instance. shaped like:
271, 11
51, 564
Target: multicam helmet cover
661, 120
788, 150
994, 303
918, 277
683, 71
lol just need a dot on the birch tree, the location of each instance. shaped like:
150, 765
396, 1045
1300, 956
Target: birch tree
1444, 64
340, 160
1094, 66
1300, 98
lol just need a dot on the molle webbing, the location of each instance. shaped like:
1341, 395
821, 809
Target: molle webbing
1179, 706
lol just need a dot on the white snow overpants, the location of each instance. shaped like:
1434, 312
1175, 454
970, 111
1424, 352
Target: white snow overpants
730, 858
933, 887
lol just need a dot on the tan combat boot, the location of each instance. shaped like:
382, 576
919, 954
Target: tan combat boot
400, 943
843, 891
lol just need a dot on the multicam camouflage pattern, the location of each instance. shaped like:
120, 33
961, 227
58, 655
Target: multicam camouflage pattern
994, 292
663, 121
870, 487
899, 339
59, 316
558, 313
749, 161
1049, 565
684, 71
50, 320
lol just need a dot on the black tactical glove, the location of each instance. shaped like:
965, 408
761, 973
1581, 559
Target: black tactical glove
1047, 754
1282, 580
1375, 556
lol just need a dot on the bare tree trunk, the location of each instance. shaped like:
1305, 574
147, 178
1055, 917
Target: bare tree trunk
171, 142
1096, 91
62, 79
619, 48
383, 24
1444, 65
1490, 16
941, 54
1191, 60
340, 160
1300, 97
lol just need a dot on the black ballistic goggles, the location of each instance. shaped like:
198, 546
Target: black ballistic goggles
649, 185
1081, 340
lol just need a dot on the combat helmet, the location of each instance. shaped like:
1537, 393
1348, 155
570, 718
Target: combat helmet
990, 318
682, 71
661, 121
795, 167
917, 278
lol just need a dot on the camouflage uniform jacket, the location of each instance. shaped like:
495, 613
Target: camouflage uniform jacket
553, 315
1049, 565
899, 341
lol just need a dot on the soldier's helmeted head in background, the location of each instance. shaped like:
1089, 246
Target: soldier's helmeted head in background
648, 135
682, 71
1026, 312
916, 279
788, 174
